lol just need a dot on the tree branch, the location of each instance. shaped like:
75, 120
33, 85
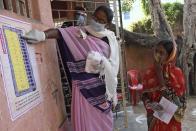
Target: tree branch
138, 38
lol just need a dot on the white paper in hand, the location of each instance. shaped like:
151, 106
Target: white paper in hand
93, 62
169, 109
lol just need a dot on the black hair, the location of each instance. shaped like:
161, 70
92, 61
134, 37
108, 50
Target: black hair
108, 12
167, 44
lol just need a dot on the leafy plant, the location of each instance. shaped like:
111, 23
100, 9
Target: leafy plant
143, 26
174, 15
126, 5
145, 7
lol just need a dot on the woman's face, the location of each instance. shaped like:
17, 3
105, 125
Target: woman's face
160, 54
100, 17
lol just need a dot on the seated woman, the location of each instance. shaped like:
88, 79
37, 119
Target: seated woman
90, 54
164, 79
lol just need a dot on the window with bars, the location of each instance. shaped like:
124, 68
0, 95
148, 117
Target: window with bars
20, 7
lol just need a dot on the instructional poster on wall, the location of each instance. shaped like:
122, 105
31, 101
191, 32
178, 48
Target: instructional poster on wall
18, 67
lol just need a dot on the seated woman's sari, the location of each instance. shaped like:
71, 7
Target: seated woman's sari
174, 92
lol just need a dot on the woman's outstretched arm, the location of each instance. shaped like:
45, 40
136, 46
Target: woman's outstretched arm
36, 36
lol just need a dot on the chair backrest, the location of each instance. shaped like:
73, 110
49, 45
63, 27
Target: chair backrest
133, 77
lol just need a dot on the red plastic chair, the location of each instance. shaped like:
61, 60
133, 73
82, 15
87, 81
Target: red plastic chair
135, 88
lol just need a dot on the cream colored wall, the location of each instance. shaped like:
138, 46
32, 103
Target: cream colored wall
138, 57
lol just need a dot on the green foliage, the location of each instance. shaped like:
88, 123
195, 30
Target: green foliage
127, 5
174, 15
145, 7
143, 26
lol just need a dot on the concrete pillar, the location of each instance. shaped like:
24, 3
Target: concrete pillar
44, 8
1, 4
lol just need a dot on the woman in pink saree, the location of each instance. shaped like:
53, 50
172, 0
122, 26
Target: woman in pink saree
90, 54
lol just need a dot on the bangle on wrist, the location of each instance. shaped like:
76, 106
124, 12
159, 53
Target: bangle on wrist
147, 101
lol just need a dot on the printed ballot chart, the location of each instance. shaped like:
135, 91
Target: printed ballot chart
19, 60
18, 67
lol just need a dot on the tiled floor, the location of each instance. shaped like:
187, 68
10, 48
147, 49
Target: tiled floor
137, 119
